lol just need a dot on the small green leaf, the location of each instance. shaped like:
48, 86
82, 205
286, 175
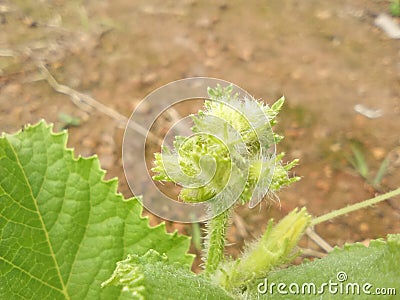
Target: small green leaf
153, 276
395, 8
69, 120
381, 172
278, 104
377, 265
358, 161
62, 227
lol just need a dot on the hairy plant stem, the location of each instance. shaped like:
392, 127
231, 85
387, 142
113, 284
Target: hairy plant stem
215, 241
354, 207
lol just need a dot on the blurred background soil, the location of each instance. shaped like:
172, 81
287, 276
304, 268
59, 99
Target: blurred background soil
334, 66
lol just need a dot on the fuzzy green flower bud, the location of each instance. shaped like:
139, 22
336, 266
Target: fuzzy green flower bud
229, 154
274, 248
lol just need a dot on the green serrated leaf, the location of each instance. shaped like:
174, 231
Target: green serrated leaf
154, 276
62, 227
376, 266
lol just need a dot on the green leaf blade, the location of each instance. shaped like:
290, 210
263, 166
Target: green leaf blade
62, 227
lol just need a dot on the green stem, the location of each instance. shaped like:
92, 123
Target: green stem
215, 241
354, 207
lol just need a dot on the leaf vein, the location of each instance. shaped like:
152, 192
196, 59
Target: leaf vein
40, 219
30, 275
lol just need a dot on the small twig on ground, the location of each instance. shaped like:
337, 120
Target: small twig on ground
8, 53
182, 128
312, 253
318, 240
87, 103
240, 225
